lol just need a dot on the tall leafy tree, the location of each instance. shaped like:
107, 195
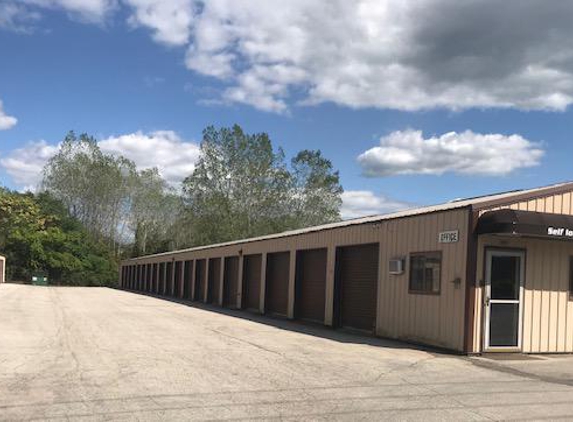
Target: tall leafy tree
241, 187
95, 187
154, 207
316, 189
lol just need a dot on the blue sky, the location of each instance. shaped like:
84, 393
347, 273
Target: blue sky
411, 106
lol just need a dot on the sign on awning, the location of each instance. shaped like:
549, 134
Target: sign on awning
526, 223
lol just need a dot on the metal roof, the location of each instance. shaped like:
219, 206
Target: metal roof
480, 201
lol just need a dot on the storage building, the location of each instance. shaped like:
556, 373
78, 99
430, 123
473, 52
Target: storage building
492, 273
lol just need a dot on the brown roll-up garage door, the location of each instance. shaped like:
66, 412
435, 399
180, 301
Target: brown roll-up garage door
214, 283
144, 278
311, 285
231, 281
187, 279
177, 289
169, 280
154, 280
137, 277
357, 286
199, 279
276, 293
161, 289
252, 281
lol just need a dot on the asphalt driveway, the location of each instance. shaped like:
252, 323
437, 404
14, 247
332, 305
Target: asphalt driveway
102, 354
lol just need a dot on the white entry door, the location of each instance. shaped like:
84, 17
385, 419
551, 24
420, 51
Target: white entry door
505, 271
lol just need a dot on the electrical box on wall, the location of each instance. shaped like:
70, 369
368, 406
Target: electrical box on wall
396, 266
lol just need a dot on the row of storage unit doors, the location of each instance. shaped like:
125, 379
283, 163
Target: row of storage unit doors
355, 283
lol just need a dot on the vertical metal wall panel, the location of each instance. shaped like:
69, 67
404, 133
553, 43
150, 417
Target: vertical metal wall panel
199, 280
311, 285
214, 284
181, 280
357, 285
277, 283
231, 281
252, 281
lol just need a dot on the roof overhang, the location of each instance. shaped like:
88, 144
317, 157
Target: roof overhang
526, 224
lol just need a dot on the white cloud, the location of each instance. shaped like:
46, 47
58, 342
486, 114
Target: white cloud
408, 152
170, 20
396, 54
25, 164
361, 203
6, 121
392, 54
16, 17
174, 157
93, 11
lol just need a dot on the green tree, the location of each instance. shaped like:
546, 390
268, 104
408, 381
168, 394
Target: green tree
241, 187
95, 187
316, 189
154, 207
238, 188
38, 235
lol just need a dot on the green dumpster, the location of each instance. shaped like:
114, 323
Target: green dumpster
40, 280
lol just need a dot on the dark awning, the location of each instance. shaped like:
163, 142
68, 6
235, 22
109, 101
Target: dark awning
526, 223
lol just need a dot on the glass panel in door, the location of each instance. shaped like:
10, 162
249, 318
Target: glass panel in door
504, 299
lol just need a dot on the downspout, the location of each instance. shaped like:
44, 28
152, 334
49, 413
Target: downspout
471, 273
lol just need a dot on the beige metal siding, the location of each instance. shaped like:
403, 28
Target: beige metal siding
546, 306
561, 203
547, 309
432, 319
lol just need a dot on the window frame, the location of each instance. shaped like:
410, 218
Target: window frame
571, 277
411, 291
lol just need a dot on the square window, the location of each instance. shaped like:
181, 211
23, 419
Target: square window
425, 272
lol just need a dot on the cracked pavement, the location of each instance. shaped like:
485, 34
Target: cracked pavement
97, 354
